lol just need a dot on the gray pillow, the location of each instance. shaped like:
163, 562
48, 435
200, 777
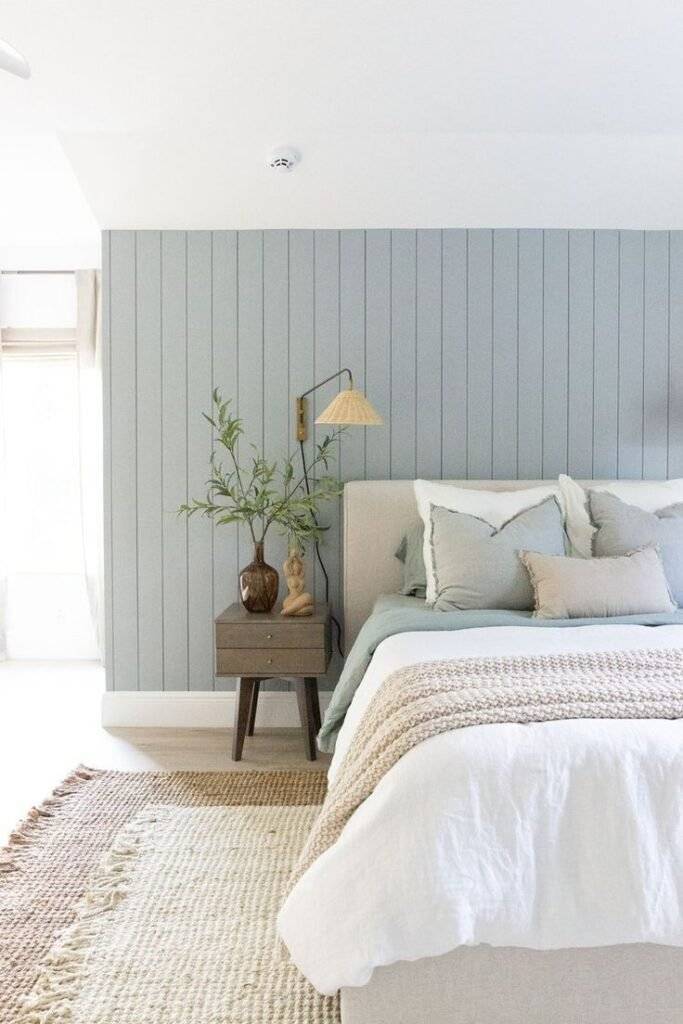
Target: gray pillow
621, 528
477, 566
411, 552
587, 588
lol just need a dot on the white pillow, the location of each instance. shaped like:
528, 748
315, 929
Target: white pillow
650, 495
494, 507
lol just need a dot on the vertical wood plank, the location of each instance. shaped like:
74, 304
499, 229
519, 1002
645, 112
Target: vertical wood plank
378, 351
124, 459
454, 382
199, 444
174, 469
580, 367
149, 460
530, 381
327, 361
555, 351
505, 354
631, 280
107, 463
302, 366
675, 441
250, 349
655, 355
429, 366
224, 359
276, 342
606, 370
403, 354
352, 328
480, 354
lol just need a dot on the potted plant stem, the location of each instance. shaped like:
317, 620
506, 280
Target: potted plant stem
262, 494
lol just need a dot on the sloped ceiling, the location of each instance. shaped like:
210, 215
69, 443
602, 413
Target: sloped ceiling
407, 113
45, 221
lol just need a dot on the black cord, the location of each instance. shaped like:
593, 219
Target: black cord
319, 556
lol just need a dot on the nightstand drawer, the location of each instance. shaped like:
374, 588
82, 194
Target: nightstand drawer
270, 634
271, 662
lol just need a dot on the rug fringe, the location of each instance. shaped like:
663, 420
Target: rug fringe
38, 818
51, 1001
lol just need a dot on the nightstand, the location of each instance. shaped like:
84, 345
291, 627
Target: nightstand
258, 646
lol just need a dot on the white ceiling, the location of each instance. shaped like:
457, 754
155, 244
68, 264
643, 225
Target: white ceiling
406, 113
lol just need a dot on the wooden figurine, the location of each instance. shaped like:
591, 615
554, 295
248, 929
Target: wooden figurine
298, 602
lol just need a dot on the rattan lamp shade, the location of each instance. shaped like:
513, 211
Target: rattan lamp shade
350, 408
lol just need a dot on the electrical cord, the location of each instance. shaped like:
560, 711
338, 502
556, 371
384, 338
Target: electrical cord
319, 556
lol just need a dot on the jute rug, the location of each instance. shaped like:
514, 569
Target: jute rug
146, 898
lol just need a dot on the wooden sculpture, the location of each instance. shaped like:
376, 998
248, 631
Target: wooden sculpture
298, 602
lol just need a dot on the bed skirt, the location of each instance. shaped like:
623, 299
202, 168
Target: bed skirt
485, 985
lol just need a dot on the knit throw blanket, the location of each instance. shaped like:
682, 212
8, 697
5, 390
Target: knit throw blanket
421, 701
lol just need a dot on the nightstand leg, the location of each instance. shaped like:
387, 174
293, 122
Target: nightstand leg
252, 707
313, 685
245, 689
306, 695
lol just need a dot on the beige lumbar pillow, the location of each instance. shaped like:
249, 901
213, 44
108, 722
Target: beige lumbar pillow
577, 588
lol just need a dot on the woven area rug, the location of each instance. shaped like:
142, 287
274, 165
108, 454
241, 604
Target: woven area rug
151, 897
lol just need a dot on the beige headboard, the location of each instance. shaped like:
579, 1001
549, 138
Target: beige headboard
376, 515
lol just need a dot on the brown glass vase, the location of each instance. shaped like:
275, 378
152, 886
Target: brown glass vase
259, 583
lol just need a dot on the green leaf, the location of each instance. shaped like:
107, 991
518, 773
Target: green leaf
237, 495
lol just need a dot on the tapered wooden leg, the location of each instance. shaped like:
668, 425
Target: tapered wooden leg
305, 698
252, 707
245, 689
312, 683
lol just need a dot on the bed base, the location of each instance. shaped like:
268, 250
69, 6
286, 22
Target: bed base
637, 984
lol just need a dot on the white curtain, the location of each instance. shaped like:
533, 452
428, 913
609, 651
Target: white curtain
50, 466
3, 524
89, 361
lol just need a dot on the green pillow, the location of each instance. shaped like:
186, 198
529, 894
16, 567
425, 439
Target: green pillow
411, 552
478, 566
621, 528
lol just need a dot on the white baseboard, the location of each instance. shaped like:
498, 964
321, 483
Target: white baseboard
196, 709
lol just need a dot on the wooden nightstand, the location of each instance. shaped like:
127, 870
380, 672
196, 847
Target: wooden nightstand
257, 646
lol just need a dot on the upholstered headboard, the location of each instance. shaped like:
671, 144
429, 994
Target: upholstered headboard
376, 515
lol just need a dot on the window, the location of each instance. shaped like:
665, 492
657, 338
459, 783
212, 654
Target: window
48, 613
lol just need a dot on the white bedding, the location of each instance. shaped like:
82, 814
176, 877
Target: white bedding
547, 836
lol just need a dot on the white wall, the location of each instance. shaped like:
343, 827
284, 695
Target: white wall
408, 180
45, 221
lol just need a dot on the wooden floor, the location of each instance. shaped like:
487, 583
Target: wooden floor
50, 722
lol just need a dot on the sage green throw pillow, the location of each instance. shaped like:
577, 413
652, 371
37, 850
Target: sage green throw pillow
621, 528
477, 566
411, 552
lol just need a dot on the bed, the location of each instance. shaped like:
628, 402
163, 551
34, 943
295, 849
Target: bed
579, 939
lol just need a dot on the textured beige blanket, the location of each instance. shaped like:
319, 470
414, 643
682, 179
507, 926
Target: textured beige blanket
421, 701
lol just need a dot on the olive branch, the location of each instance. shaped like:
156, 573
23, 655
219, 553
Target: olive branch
264, 494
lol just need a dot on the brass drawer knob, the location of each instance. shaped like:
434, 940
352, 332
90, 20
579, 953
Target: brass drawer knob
270, 661
269, 636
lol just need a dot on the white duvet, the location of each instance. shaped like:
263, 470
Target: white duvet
555, 835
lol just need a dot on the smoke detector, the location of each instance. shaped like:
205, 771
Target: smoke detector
283, 159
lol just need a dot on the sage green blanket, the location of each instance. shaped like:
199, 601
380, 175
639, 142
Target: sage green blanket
393, 614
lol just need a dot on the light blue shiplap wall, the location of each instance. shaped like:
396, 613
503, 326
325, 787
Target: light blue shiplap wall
489, 354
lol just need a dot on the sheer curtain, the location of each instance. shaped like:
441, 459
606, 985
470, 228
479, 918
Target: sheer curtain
3, 523
89, 363
50, 466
